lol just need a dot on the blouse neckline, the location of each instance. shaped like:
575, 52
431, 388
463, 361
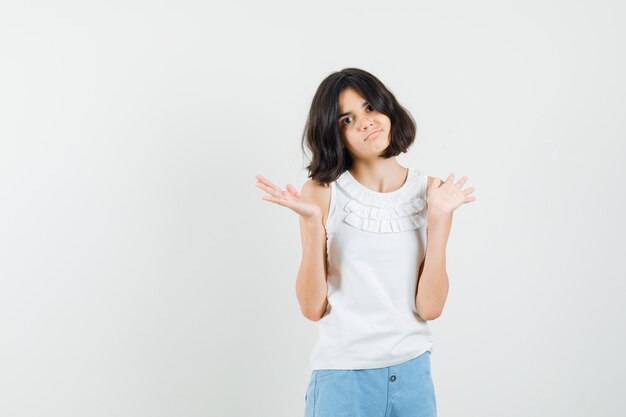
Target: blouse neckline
404, 185
357, 191
395, 211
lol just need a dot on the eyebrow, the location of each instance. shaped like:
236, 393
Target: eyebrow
347, 113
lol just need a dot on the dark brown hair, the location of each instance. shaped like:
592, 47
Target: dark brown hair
321, 135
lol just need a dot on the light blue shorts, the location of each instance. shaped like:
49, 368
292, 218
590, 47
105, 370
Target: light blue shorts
403, 390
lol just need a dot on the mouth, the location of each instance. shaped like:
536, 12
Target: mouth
372, 135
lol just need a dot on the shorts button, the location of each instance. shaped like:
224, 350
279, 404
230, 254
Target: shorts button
392, 378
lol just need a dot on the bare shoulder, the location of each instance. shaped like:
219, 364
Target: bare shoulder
318, 194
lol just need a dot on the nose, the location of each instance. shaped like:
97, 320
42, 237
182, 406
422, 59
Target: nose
366, 123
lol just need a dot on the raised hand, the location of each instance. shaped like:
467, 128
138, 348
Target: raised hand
446, 197
289, 198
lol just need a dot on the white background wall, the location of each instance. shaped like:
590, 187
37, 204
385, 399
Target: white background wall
141, 274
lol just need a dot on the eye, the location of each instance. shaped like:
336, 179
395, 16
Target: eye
343, 121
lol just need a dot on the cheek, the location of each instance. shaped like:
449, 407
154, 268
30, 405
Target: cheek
352, 136
383, 121
348, 139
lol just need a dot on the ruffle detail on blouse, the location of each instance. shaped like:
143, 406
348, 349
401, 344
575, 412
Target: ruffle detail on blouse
397, 211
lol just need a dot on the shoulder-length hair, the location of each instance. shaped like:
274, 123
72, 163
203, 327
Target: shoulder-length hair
329, 157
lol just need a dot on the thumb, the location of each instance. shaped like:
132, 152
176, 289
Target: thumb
436, 183
293, 190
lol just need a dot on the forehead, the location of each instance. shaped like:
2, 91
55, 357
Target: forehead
350, 100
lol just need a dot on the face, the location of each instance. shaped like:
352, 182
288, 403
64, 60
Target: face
357, 120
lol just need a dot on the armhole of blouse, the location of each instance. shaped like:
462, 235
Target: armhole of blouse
331, 209
423, 184
423, 177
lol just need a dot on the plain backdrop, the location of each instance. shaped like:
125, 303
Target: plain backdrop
141, 274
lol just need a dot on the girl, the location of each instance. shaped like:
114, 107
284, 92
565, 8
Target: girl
366, 275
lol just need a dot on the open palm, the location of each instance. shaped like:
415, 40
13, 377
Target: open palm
290, 198
445, 196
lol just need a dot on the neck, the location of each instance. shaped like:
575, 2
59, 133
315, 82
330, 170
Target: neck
382, 176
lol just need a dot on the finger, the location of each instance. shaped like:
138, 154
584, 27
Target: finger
274, 200
469, 190
461, 181
267, 182
272, 191
293, 190
469, 199
450, 178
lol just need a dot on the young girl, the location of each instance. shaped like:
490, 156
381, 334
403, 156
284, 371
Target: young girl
367, 275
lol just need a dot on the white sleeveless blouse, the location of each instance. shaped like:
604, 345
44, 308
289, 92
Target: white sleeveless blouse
376, 243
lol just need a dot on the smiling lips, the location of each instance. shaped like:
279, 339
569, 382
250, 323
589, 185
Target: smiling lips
374, 133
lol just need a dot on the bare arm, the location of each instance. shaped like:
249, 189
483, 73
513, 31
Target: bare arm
433, 281
432, 284
311, 287
443, 197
